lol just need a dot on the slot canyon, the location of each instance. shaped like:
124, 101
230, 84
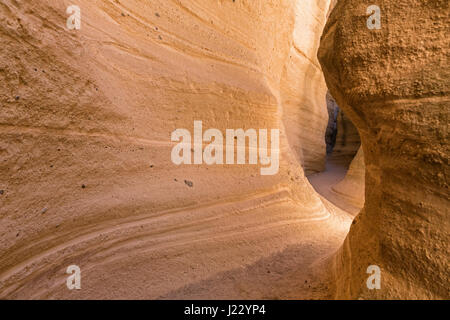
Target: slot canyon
87, 122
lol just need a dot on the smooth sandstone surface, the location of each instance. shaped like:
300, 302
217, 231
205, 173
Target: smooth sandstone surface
393, 85
85, 149
303, 88
331, 132
85, 170
352, 186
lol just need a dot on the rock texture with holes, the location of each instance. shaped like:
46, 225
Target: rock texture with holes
393, 84
331, 132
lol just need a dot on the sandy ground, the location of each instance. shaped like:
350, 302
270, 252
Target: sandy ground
85, 174
260, 246
295, 272
324, 181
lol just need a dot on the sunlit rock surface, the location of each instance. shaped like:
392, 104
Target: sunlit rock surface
331, 132
352, 186
85, 148
393, 85
86, 176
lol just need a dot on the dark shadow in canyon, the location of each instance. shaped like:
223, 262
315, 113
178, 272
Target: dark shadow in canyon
342, 181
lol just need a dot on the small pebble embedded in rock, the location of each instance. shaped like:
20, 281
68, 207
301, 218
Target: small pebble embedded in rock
189, 183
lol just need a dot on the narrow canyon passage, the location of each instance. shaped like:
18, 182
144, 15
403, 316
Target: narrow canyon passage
342, 181
325, 183
396, 93
127, 150
89, 158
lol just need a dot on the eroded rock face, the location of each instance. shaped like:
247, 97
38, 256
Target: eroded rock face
352, 186
347, 140
393, 85
342, 137
303, 88
331, 132
85, 130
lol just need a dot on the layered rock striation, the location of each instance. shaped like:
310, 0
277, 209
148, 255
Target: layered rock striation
85, 143
392, 83
353, 185
303, 88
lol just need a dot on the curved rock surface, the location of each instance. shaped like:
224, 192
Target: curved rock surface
331, 132
352, 186
303, 88
85, 147
86, 176
347, 140
393, 85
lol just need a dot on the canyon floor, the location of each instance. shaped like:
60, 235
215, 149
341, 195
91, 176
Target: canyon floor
261, 246
266, 253
296, 272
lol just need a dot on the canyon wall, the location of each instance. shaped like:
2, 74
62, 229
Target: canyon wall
303, 88
392, 83
347, 139
353, 185
85, 128
331, 132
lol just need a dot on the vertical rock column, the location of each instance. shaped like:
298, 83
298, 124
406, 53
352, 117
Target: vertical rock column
392, 82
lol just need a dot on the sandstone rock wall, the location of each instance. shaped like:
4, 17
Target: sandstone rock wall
303, 88
85, 140
331, 132
347, 140
392, 82
352, 186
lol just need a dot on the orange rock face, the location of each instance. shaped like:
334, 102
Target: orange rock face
392, 82
85, 143
88, 179
347, 140
303, 88
353, 185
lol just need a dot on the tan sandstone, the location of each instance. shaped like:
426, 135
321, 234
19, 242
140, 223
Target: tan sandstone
393, 85
85, 148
